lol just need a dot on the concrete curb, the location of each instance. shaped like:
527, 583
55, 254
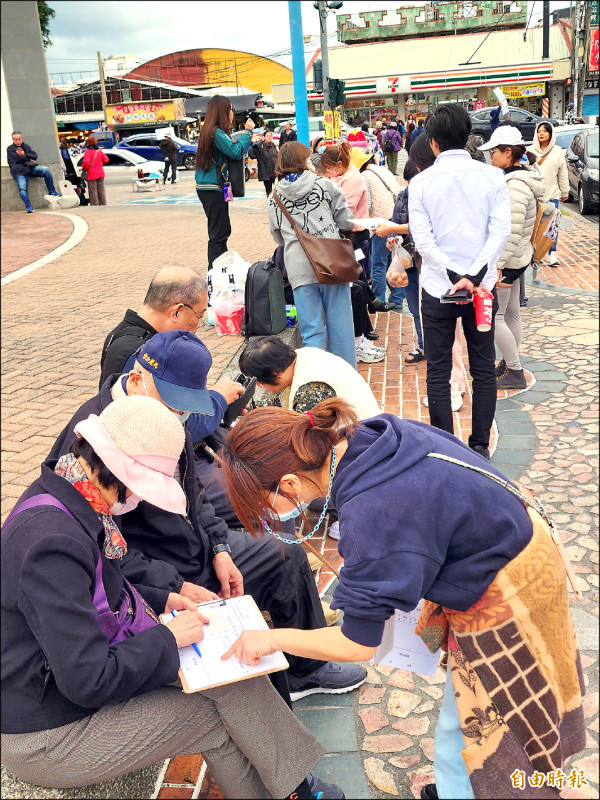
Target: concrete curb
80, 229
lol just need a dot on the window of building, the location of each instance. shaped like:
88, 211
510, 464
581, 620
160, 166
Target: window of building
429, 14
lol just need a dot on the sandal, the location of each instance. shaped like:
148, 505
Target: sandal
415, 357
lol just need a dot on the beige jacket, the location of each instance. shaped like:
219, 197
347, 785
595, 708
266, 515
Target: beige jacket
384, 190
554, 166
525, 186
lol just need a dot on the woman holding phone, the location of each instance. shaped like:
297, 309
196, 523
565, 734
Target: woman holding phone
215, 150
478, 550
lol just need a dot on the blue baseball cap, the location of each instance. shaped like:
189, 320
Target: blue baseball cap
179, 363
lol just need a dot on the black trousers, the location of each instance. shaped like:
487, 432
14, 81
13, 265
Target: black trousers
280, 580
219, 226
269, 186
439, 325
172, 162
360, 295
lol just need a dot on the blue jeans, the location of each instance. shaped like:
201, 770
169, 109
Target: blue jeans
380, 261
553, 248
36, 172
451, 776
325, 318
411, 292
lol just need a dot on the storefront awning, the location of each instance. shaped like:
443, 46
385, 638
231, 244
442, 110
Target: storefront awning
240, 103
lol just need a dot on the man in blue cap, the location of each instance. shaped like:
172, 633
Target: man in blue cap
197, 554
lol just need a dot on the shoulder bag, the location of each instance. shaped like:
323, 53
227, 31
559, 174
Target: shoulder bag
84, 172
235, 173
333, 260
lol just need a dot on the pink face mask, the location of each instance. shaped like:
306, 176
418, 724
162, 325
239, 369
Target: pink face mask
122, 508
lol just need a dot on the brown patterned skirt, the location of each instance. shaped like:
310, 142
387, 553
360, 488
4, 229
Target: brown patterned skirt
516, 671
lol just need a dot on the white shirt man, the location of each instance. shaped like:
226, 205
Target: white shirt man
459, 218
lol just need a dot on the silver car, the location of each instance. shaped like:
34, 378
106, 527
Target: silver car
123, 166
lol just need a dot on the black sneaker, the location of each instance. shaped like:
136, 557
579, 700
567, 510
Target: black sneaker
481, 450
512, 379
326, 791
331, 678
429, 792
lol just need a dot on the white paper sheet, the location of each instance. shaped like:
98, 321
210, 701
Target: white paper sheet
369, 223
228, 618
402, 648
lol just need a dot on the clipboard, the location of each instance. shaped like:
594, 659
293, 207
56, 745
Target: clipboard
228, 618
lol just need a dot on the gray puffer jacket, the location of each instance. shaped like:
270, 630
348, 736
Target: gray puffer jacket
319, 207
525, 186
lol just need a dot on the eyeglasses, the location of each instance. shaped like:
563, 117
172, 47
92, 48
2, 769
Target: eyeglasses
198, 317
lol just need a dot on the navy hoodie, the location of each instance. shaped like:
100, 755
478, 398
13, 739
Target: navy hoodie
415, 527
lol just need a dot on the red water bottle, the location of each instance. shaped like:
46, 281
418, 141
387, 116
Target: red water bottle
483, 310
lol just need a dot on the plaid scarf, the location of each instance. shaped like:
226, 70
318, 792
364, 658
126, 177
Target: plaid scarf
69, 468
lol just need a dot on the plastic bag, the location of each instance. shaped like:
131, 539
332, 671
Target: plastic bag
401, 261
227, 264
228, 311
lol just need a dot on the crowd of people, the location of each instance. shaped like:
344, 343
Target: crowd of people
134, 516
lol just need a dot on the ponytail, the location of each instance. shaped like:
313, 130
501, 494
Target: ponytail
337, 153
270, 442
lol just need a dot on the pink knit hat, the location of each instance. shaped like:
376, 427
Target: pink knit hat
140, 442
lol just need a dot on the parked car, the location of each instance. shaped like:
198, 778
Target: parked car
566, 133
480, 121
582, 166
146, 146
123, 166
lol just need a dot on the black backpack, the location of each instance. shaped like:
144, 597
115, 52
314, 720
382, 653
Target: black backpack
264, 299
388, 145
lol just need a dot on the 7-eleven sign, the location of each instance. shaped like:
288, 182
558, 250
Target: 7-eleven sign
393, 84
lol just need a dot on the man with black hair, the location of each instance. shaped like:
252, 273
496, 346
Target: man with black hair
459, 212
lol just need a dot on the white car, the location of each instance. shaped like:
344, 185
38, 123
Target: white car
123, 166
566, 133
316, 128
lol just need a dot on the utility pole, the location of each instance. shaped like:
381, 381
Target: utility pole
546, 30
587, 39
102, 87
322, 8
299, 70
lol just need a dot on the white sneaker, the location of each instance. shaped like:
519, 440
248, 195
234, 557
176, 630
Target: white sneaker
334, 530
552, 260
367, 356
373, 348
456, 402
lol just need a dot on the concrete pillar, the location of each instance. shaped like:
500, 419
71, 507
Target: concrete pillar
482, 92
401, 107
26, 95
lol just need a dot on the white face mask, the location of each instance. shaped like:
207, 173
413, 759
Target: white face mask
122, 508
295, 512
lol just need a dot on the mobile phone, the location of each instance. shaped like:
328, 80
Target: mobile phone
235, 409
459, 296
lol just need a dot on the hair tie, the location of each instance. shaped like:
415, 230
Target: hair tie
310, 416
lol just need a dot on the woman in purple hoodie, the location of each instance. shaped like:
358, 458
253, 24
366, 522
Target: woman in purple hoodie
424, 517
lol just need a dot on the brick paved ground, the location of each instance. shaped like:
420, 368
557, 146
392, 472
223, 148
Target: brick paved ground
27, 237
547, 435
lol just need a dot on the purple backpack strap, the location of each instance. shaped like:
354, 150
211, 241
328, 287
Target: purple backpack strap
34, 502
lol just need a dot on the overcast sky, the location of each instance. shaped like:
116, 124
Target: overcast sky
148, 30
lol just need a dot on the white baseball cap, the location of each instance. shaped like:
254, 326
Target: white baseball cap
504, 135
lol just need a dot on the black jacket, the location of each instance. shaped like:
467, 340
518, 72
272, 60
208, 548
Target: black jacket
287, 137
173, 547
267, 158
57, 666
121, 342
20, 165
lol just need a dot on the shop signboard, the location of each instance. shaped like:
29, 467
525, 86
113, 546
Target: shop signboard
332, 122
594, 63
478, 104
135, 113
524, 90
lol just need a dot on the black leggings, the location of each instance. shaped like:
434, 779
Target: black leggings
269, 186
219, 226
360, 295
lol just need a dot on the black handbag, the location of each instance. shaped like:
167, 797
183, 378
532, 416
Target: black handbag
235, 173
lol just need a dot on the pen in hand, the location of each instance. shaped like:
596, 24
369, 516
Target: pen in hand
195, 646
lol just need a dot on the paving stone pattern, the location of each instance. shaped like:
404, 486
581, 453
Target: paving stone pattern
379, 740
